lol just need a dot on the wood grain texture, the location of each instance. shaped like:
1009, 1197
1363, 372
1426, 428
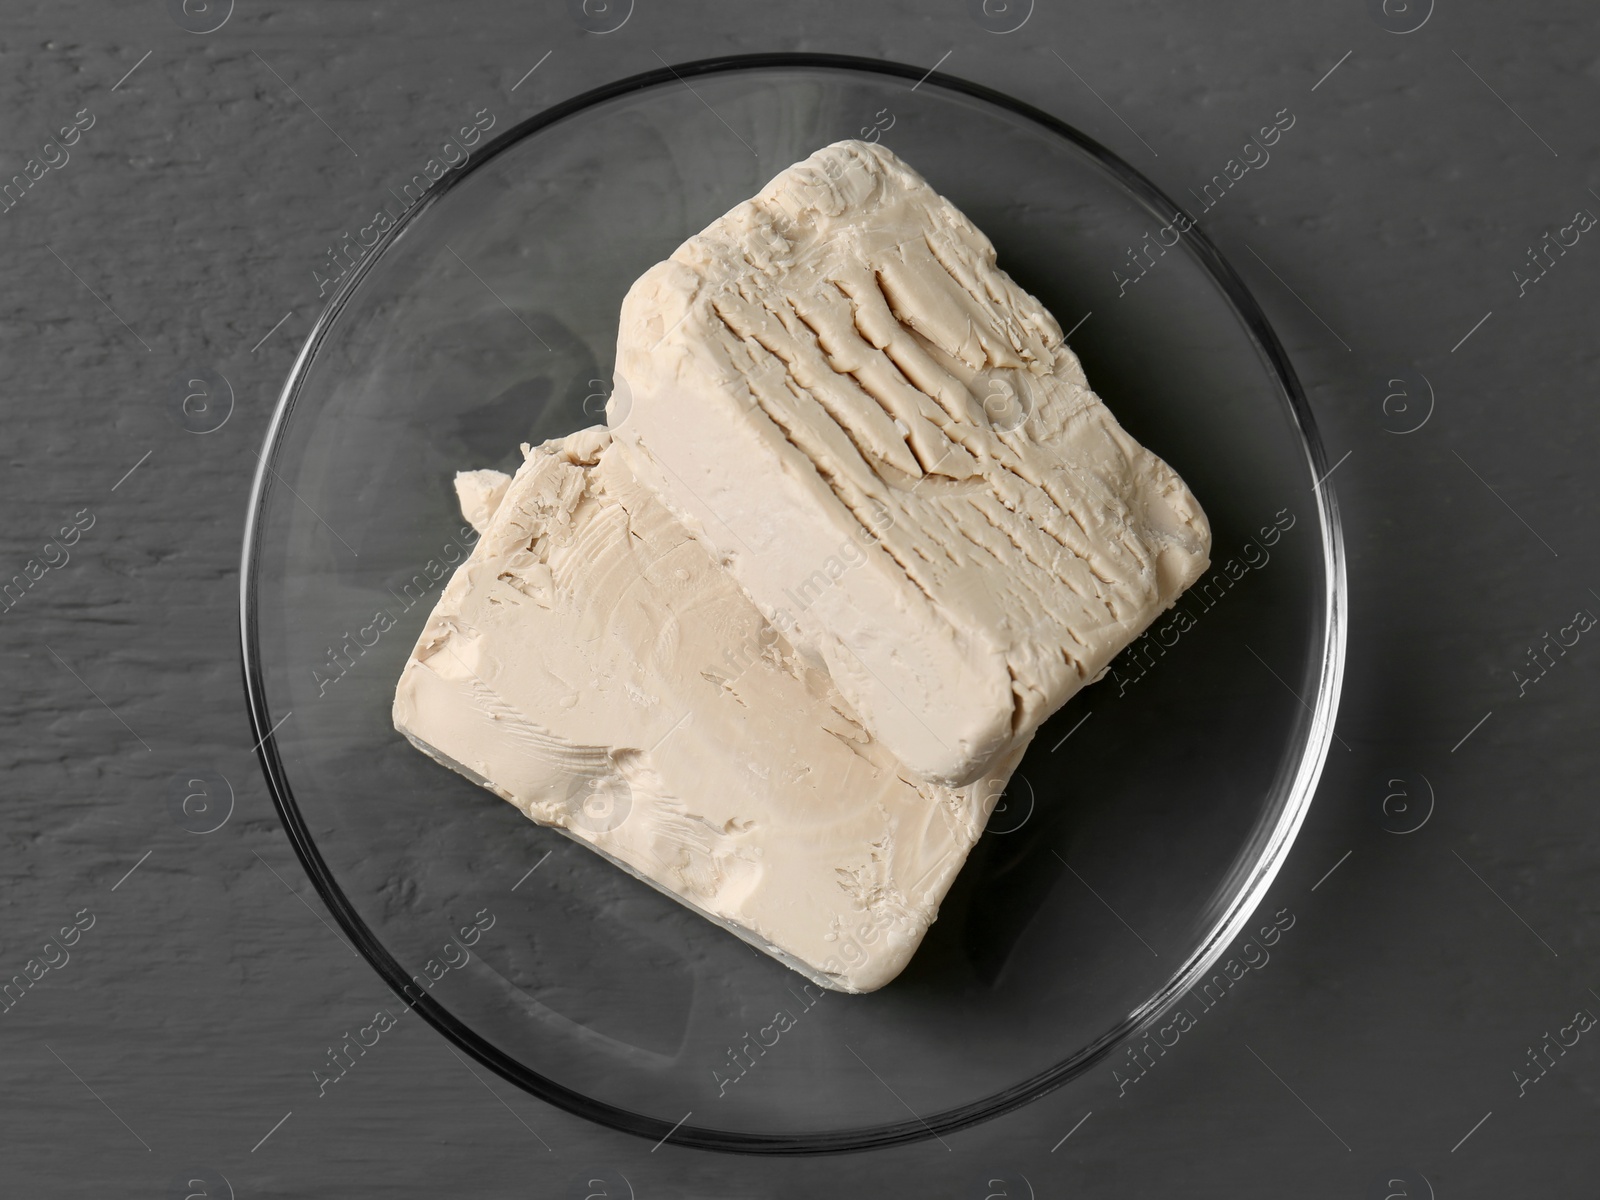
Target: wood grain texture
194, 212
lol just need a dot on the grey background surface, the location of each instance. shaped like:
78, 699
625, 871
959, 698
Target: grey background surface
1381, 1041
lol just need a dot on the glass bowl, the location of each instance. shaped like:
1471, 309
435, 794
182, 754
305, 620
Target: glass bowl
1145, 823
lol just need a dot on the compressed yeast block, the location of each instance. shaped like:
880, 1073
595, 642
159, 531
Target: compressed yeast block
591, 663
890, 446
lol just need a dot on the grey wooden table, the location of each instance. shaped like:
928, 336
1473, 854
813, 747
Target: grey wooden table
179, 193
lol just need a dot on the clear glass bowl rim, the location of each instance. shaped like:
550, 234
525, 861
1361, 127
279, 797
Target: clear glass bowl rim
1225, 928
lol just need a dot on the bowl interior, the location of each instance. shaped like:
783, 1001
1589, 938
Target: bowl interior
1143, 816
